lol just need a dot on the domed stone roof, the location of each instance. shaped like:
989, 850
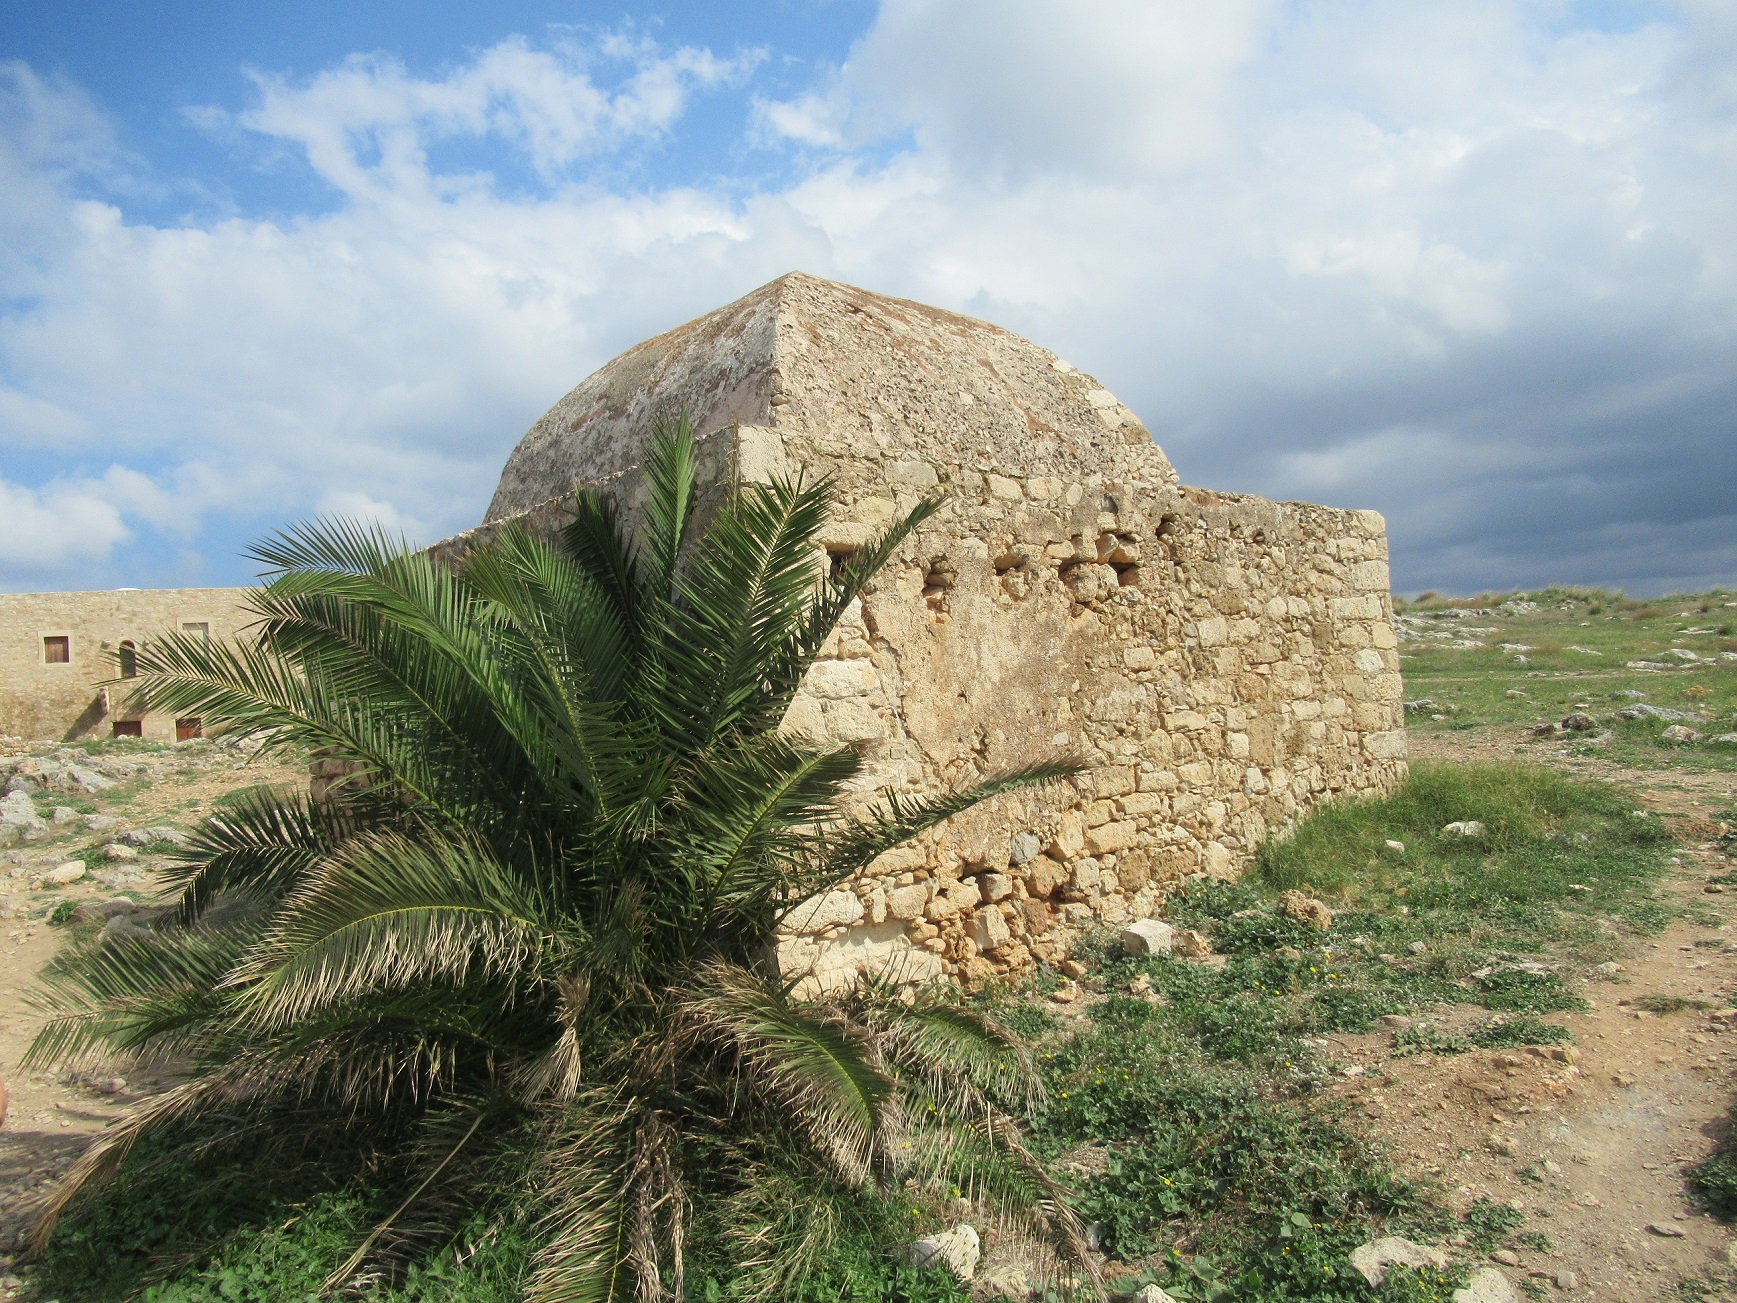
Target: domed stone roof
841, 374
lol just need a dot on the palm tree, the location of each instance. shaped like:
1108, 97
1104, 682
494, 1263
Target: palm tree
533, 922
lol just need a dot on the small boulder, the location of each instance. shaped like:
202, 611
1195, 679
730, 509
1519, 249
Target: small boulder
1398, 848
1305, 909
1025, 847
1190, 945
955, 1249
1394, 1022
1463, 828
1372, 1260
1148, 936
101, 823
62, 814
1679, 735
1154, 1294
119, 851
64, 874
1487, 1286
1578, 722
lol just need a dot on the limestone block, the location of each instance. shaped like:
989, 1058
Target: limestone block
1215, 860
1370, 576
910, 474
1037, 916
1185, 721
1044, 875
1111, 837
1005, 489
854, 720
1099, 813
1085, 875
1147, 936
1139, 803
908, 902
1114, 780
1355, 608
1140, 658
995, 886
955, 1249
1385, 746
65, 874
1370, 661
1372, 1260
818, 913
1024, 847
989, 929
805, 718
1070, 837
835, 679
1212, 632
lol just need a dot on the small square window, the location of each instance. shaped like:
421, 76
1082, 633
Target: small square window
57, 650
129, 728
188, 729
197, 629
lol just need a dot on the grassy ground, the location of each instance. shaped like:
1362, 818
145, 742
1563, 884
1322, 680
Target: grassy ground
1571, 650
1188, 1092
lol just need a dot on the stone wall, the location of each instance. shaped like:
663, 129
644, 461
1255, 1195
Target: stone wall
40, 700
1218, 663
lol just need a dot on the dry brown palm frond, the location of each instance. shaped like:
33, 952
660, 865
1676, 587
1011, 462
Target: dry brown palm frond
796, 1056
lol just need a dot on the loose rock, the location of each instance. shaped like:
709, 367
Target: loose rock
1305, 909
955, 1249
1463, 828
1372, 1260
1487, 1286
1148, 936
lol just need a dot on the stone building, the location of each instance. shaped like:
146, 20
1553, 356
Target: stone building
58, 650
1220, 663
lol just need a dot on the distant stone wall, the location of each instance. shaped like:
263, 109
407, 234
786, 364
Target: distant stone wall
43, 700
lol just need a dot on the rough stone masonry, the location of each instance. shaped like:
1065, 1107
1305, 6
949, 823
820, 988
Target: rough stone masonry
1219, 662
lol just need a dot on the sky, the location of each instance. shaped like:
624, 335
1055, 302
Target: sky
1473, 265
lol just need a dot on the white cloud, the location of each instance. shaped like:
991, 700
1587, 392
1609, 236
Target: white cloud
349, 504
57, 527
1469, 264
366, 124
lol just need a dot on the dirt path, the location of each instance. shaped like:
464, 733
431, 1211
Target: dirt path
1595, 1150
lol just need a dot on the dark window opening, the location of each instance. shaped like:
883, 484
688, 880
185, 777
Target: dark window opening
188, 729
129, 728
837, 558
129, 660
1167, 525
57, 650
1110, 504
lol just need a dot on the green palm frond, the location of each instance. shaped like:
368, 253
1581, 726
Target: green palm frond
387, 913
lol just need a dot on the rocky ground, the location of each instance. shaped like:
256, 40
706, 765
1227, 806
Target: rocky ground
81, 832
